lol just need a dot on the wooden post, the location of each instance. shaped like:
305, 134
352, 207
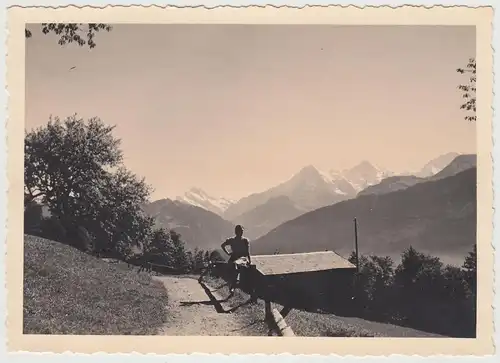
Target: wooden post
252, 281
268, 309
281, 325
284, 312
356, 243
268, 317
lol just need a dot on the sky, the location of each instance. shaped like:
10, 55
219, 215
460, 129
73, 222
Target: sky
236, 109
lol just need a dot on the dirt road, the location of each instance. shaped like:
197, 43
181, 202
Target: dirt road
194, 311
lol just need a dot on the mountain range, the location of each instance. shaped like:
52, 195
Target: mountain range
205, 221
435, 216
307, 190
394, 183
311, 188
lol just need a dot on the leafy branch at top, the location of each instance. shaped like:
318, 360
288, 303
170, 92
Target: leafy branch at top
469, 90
82, 34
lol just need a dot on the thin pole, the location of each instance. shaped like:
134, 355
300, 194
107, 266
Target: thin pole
356, 243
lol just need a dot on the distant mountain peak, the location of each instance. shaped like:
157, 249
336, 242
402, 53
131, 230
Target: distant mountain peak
361, 175
308, 170
365, 164
199, 198
308, 174
437, 164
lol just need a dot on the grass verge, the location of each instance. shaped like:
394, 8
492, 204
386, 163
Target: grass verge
69, 292
308, 324
301, 322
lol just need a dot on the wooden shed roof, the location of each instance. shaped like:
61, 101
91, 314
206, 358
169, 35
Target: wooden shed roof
300, 262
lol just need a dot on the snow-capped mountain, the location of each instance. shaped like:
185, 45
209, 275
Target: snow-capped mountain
446, 223
199, 198
436, 165
311, 188
457, 165
308, 189
433, 169
361, 176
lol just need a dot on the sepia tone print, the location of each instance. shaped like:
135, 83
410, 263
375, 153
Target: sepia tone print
252, 180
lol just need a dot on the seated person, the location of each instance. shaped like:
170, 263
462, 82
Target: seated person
240, 254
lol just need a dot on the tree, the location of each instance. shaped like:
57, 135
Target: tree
375, 277
353, 258
470, 263
180, 256
418, 283
454, 283
216, 256
75, 169
418, 272
206, 257
32, 217
383, 267
68, 158
82, 34
470, 267
159, 249
198, 259
469, 90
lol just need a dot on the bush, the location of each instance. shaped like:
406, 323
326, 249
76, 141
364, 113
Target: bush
420, 292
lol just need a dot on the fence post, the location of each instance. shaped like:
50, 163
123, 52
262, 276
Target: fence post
269, 317
356, 243
268, 309
281, 326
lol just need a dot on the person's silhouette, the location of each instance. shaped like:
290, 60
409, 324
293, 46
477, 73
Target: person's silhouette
239, 255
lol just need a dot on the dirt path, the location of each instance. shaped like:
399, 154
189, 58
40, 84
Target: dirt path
192, 311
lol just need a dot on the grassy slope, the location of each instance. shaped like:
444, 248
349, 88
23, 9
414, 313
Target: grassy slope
309, 324
69, 292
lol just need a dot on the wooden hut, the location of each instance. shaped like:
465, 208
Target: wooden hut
311, 281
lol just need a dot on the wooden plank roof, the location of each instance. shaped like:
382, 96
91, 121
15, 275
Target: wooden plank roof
300, 262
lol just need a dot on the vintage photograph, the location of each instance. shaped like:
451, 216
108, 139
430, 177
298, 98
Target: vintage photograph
252, 180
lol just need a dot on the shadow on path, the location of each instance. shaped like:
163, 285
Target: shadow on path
216, 303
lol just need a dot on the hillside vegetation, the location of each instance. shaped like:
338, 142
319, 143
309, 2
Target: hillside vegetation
83, 204
78, 192
69, 292
420, 292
